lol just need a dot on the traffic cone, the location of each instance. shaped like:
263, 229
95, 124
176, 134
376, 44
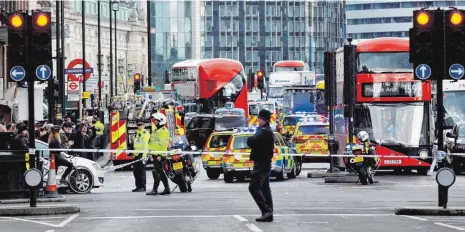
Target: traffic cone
51, 189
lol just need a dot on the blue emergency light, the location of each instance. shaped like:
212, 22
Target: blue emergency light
229, 105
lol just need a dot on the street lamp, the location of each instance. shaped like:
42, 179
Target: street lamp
115, 8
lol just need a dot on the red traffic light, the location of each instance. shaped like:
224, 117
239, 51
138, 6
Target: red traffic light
16, 21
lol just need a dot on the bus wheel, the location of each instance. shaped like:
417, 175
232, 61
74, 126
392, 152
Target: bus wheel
228, 177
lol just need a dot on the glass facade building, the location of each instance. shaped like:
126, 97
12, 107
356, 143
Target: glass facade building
374, 19
259, 33
173, 39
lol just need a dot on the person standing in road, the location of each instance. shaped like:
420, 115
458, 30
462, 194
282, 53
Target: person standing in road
262, 146
141, 143
159, 141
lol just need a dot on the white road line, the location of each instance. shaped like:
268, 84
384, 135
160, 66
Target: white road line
44, 218
245, 208
216, 216
72, 217
241, 219
50, 231
253, 227
36, 222
450, 226
416, 218
313, 222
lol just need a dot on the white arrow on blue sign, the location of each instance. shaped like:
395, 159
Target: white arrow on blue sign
456, 71
423, 71
17, 73
43, 72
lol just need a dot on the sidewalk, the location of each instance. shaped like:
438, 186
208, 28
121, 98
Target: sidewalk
45, 206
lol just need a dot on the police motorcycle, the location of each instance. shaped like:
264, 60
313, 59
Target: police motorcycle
180, 168
364, 167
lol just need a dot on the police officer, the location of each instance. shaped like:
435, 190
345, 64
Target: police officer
99, 127
159, 141
141, 142
262, 145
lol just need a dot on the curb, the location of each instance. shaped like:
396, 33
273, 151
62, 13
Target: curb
431, 211
48, 210
324, 174
344, 179
27, 200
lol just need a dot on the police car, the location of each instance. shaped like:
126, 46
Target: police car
311, 137
239, 166
212, 162
288, 123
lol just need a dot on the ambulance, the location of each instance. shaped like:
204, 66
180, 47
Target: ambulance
311, 138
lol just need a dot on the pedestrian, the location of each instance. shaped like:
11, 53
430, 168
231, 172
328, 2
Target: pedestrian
159, 141
99, 127
262, 146
83, 141
20, 143
141, 143
54, 142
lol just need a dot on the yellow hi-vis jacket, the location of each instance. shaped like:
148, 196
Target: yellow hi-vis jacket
99, 127
159, 140
141, 143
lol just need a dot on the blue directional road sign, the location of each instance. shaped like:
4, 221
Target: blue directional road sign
423, 71
17, 73
456, 71
43, 72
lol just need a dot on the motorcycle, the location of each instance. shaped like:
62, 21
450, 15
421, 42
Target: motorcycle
180, 169
364, 167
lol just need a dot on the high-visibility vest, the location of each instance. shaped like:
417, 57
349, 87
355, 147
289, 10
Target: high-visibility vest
159, 139
141, 141
99, 127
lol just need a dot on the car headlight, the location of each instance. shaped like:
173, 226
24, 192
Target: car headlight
423, 154
97, 166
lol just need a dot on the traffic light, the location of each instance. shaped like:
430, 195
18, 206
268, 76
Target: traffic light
41, 39
136, 83
167, 77
250, 80
17, 49
421, 37
55, 88
260, 80
455, 43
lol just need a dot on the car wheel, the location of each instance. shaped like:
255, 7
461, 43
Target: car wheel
298, 167
213, 174
281, 174
292, 175
228, 177
81, 181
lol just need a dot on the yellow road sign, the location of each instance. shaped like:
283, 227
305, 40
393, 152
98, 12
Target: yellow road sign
85, 95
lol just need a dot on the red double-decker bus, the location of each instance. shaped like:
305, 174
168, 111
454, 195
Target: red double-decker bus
290, 65
211, 83
390, 105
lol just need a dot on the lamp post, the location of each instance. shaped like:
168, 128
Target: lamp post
120, 71
115, 8
99, 57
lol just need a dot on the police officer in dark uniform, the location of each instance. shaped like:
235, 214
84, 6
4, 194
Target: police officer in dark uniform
262, 145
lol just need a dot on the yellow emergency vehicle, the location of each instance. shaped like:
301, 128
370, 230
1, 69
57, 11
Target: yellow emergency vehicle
256, 106
239, 166
216, 142
311, 138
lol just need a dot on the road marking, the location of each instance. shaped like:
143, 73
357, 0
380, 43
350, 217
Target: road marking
72, 217
449, 226
313, 222
251, 215
241, 219
416, 218
253, 227
50, 231
44, 218
245, 208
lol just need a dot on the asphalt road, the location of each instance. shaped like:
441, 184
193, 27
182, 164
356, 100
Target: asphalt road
300, 204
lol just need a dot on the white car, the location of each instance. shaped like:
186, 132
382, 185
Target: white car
89, 173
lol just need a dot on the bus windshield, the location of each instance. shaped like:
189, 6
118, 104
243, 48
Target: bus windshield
383, 62
405, 124
276, 91
454, 104
284, 69
255, 109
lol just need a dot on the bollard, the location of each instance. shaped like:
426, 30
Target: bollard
445, 178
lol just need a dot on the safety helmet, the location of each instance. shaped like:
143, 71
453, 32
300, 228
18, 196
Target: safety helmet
160, 118
362, 136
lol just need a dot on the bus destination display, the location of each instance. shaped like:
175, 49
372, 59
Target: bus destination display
392, 89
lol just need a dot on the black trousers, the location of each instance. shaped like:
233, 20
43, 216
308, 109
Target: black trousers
139, 174
159, 175
60, 161
259, 186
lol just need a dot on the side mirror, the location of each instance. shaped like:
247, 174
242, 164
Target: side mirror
450, 135
448, 123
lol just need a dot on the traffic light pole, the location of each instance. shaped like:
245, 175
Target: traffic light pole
439, 72
149, 45
51, 102
30, 95
99, 45
62, 62
116, 58
83, 19
111, 52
